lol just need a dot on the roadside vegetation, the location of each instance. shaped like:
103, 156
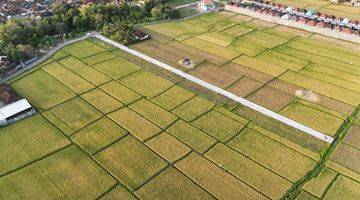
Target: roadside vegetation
21, 39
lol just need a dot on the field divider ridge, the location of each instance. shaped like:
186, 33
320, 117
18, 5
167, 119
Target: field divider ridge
221, 91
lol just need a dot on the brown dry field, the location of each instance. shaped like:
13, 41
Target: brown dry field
245, 86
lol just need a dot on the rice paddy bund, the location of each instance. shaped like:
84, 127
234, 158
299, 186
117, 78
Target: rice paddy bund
112, 126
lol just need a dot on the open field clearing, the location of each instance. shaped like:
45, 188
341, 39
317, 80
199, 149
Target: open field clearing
136, 132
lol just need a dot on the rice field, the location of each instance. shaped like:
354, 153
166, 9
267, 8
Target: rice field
111, 127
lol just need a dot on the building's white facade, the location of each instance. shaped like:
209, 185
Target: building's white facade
15, 111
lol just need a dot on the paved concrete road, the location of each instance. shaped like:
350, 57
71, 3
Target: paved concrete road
42, 59
223, 92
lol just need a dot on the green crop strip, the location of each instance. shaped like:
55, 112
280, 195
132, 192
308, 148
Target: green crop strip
295, 190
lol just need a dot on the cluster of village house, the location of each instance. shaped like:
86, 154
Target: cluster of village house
36, 9
12, 106
304, 16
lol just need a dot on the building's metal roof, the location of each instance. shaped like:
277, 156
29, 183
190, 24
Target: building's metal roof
14, 108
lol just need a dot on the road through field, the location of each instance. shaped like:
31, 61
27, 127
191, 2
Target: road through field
223, 92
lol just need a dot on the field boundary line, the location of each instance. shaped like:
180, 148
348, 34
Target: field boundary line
223, 92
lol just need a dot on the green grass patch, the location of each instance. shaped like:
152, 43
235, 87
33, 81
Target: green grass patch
171, 184
193, 108
134, 163
98, 135
83, 49
146, 83
68, 78
218, 125
60, 55
117, 68
76, 113
168, 147
248, 171
42, 90
153, 112
191, 136
134, 123
28, 140
76, 175
173, 97
102, 101
90, 74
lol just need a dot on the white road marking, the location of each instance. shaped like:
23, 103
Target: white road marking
223, 92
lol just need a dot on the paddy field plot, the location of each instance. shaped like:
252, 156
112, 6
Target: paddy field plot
109, 126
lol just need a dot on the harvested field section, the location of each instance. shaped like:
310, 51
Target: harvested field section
68, 78
246, 71
138, 126
289, 163
212, 178
244, 86
98, 135
76, 113
132, 167
28, 140
352, 138
85, 71
248, 171
342, 156
42, 90
171, 184
271, 98
76, 175
218, 76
